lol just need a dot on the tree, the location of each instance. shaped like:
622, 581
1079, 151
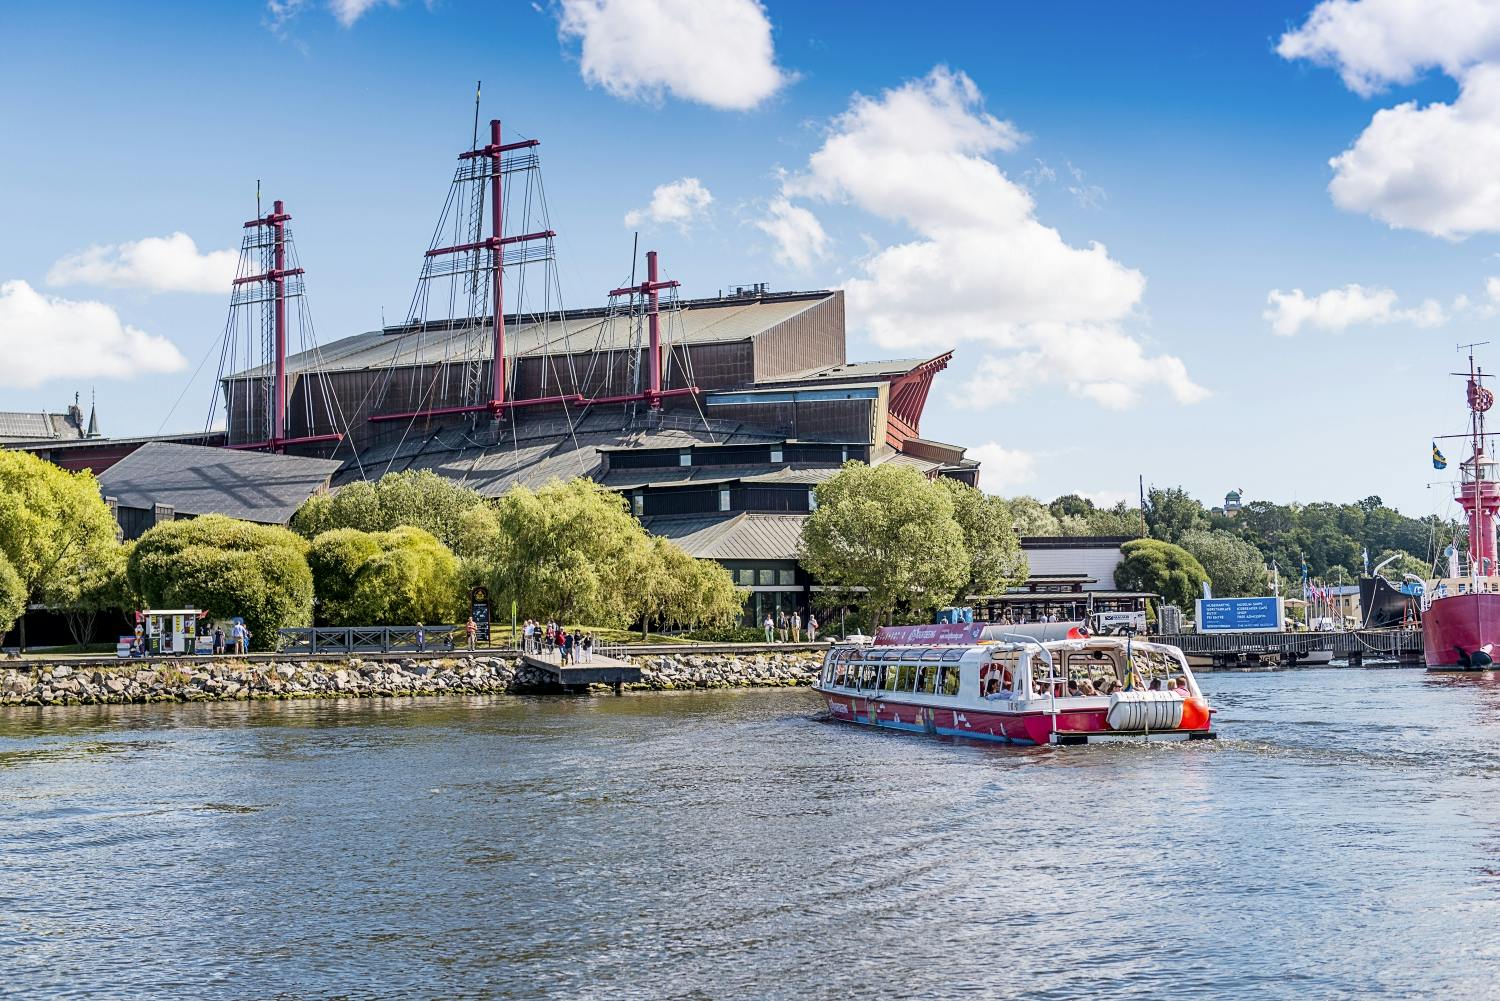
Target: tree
1171, 513
1029, 516
420, 499
1161, 568
102, 587
53, 524
679, 589
1235, 568
995, 558
383, 578
889, 531
1122, 519
12, 596
227, 568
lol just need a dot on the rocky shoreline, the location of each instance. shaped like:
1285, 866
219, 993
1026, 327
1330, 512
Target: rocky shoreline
191, 680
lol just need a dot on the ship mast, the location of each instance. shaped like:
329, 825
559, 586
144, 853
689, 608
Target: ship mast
1479, 495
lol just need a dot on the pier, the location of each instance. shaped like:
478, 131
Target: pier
1253, 649
598, 670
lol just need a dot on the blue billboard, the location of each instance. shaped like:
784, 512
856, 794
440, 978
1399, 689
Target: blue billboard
1239, 615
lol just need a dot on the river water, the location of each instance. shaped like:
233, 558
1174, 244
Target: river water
1341, 840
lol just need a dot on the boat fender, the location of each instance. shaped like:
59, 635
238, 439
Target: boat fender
1195, 714
1145, 710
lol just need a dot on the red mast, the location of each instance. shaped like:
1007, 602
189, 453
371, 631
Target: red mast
651, 289
1479, 494
276, 277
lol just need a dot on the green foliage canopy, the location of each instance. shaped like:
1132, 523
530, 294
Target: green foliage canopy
890, 531
995, 558
419, 499
398, 577
228, 568
1161, 568
53, 526
1235, 568
12, 596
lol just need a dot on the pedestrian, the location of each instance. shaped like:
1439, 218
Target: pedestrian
796, 625
588, 648
781, 626
812, 627
563, 639
240, 633
421, 638
471, 629
218, 639
770, 626
528, 634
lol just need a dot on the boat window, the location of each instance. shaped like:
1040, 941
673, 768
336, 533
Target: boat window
927, 681
933, 654
900, 677
949, 680
957, 654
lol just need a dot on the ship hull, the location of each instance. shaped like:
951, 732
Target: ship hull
1459, 622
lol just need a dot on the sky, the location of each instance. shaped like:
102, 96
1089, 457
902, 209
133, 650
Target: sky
1216, 246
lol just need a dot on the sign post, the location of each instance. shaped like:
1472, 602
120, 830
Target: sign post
1241, 615
479, 611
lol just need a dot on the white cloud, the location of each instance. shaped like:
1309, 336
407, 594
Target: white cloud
1340, 308
157, 263
43, 338
800, 237
1108, 498
981, 266
349, 11
280, 13
1003, 469
1374, 43
679, 202
1415, 167
714, 52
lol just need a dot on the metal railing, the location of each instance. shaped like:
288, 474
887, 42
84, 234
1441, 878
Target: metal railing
369, 639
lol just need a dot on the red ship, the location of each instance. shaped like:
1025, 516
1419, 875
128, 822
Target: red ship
1461, 624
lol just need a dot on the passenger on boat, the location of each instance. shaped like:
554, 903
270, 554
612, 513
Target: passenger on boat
1086, 687
1155, 685
1180, 687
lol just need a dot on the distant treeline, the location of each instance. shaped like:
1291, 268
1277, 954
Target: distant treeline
1237, 547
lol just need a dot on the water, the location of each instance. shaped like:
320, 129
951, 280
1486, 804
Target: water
1343, 840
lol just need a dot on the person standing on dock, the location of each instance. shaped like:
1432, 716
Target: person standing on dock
812, 627
770, 626
781, 626
421, 638
471, 630
796, 625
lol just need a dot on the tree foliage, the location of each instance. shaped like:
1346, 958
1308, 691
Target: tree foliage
103, 587
572, 550
12, 596
228, 568
1235, 568
888, 530
1161, 568
995, 558
398, 577
1029, 516
53, 525
420, 499
1171, 514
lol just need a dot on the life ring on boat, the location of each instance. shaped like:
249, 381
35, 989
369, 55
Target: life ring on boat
988, 671
1079, 633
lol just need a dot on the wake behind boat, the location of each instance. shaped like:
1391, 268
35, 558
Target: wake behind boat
1012, 688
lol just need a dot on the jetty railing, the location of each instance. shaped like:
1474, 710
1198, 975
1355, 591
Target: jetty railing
368, 639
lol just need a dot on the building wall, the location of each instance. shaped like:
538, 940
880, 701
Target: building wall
1098, 563
814, 338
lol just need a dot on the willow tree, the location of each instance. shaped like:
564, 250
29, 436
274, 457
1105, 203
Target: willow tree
996, 561
886, 536
12, 596
419, 499
383, 578
54, 524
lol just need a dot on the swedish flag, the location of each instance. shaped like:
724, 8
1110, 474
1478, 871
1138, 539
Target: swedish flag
1439, 461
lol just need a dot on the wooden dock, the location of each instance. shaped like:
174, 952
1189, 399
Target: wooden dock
1250, 649
600, 670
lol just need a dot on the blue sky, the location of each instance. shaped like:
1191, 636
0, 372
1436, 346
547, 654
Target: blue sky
1091, 202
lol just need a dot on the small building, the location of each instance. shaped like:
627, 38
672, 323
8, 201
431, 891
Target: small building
1072, 577
41, 428
162, 481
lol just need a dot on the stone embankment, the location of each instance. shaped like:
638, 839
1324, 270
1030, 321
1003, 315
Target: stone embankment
231, 680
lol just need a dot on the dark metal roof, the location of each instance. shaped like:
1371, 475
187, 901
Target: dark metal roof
1075, 541
255, 486
27, 427
733, 537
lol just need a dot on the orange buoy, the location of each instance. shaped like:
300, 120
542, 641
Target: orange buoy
1194, 714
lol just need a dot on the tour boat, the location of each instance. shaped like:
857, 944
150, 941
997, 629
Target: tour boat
987, 683
1461, 620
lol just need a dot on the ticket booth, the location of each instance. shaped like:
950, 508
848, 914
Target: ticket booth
171, 630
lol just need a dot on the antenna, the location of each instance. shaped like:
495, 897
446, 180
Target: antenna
258, 212
478, 86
